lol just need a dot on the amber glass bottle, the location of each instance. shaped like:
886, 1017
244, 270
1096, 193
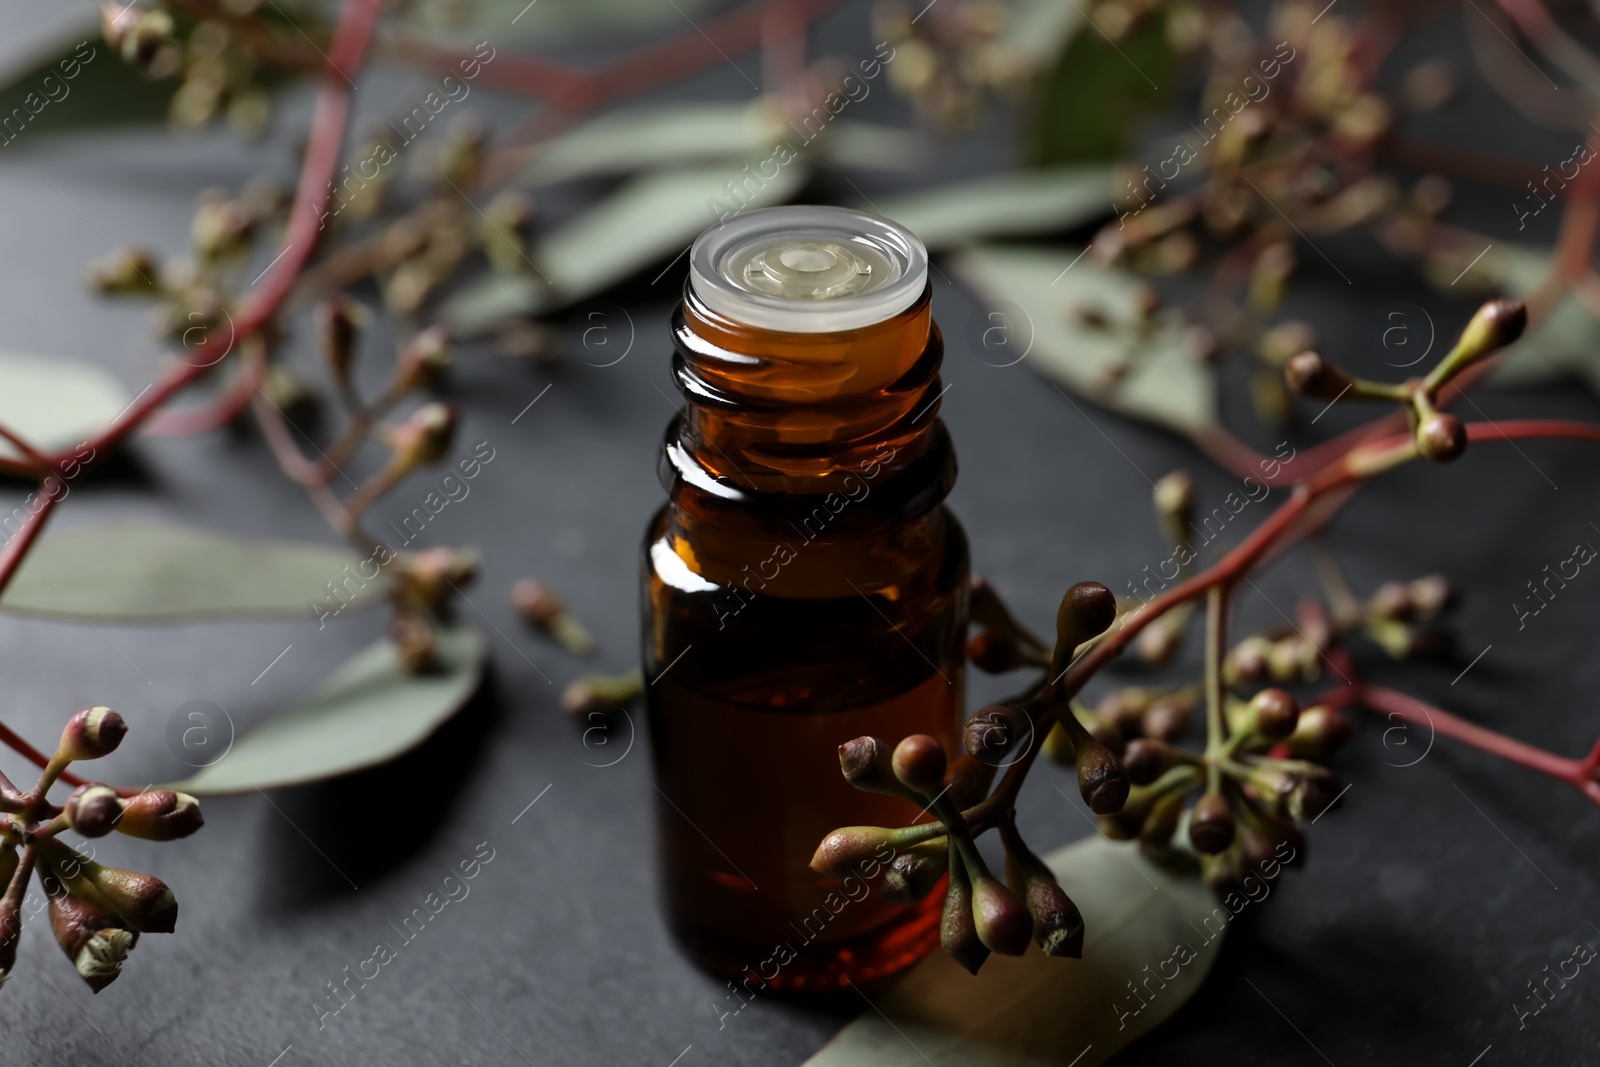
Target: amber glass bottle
803, 585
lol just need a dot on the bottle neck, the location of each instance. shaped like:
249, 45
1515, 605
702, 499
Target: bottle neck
783, 418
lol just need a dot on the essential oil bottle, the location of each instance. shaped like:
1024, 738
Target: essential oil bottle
804, 585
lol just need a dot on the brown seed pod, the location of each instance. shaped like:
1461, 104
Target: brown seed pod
919, 763
1275, 712
1441, 437
1101, 779
1211, 824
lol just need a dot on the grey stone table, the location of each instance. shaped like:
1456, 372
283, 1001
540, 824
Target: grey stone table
1435, 892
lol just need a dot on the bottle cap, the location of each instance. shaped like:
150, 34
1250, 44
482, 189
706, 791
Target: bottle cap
808, 269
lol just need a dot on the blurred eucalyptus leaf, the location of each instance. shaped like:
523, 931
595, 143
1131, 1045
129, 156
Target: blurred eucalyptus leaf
1080, 324
645, 138
1004, 205
368, 712
1098, 90
154, 572
649, 219
55, 404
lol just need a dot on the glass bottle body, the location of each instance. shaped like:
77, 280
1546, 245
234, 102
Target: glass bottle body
804, 585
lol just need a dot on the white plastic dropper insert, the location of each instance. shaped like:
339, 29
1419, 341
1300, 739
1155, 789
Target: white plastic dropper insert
808, 269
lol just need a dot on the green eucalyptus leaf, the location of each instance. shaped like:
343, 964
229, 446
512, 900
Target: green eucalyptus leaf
648, 220
55, 404
101, 91
645, 138
1098, 92
1152, 371
153, 572
1036, 1009
1036, 31
367, 712
1004, 205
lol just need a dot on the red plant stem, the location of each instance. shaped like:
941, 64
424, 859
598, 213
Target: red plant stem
1512, 429
1577, 773
18, 745
215, 415
1227, 569
12, 555
357, 19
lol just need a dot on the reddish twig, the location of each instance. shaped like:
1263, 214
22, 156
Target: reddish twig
1577, 773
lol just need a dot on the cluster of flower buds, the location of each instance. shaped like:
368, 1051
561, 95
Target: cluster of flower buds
1439, 435
982, 913
1254, 789
544, 610
96, 912
1403, 617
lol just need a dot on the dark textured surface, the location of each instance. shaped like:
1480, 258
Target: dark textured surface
1434, 893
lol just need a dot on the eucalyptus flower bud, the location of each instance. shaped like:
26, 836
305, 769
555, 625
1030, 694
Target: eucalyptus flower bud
94, 941
1310, 375
1162, 822
1274, 712
1248, 661
1496, 324
1441, 437
1101, 779
1167, 717
160, 815
601, 693
142, 902
1057, 922
435, 573
92, 733
1086, 611
1211, 824
1431, 595
868, 764
424, 360
958, 931
543, 608
337, 321
425, 436
1391, 600
1124, 708
1312, 795
919, 763
915, 872
1319, 731
124, 270
93, 810
1147, 759
968, 779
842, 850
997, 733
1174, 500
1002, 921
